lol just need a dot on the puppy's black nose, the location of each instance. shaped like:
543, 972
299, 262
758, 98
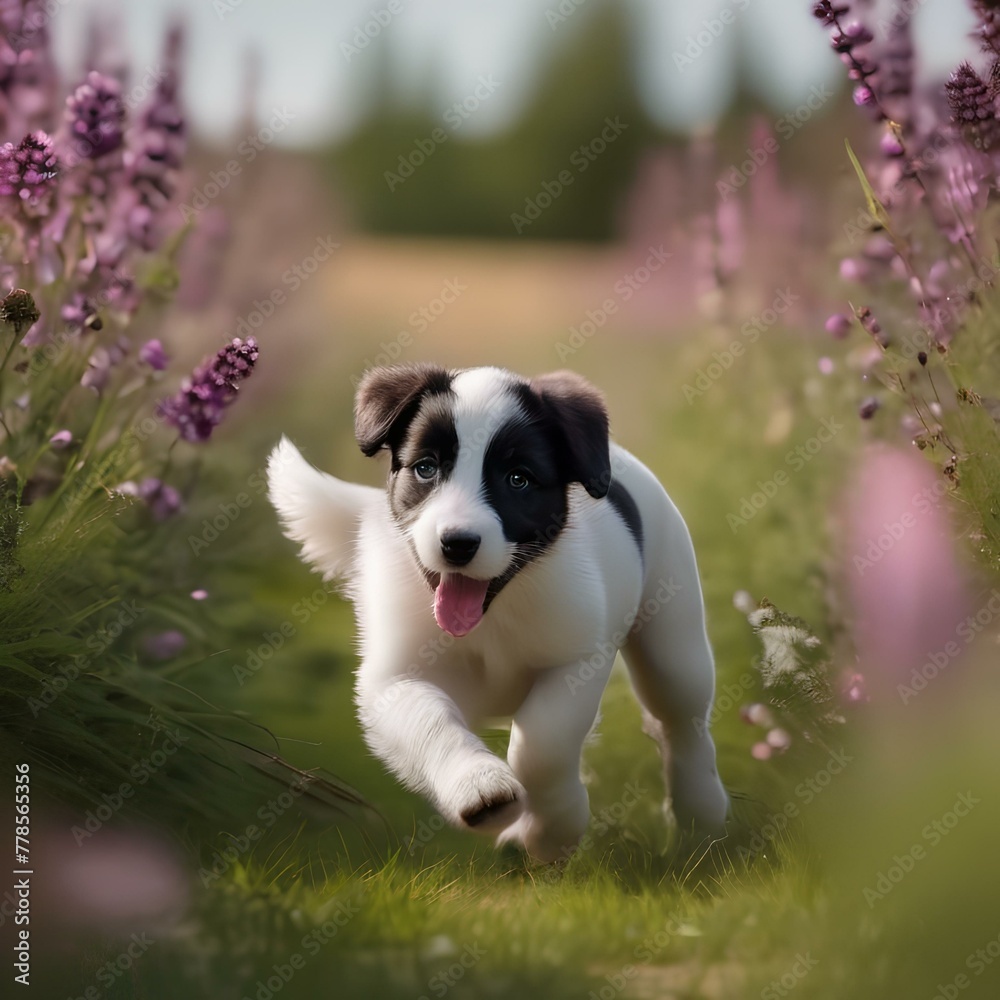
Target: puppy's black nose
458, 547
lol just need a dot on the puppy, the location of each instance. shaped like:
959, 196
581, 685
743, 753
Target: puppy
512, 554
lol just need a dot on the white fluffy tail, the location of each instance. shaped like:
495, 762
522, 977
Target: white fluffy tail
318, 511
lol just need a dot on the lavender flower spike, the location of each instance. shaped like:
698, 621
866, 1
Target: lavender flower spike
27, 171
972, 107
153, 354
96, 116
199, 406
988, 31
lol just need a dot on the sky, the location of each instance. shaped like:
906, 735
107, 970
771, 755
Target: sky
315, 65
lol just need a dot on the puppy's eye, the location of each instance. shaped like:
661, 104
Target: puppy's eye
425, 469
518, 479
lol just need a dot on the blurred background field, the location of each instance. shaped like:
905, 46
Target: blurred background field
328, 221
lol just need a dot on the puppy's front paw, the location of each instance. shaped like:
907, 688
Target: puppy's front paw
487, 798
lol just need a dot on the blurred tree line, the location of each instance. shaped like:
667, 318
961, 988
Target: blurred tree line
411, 167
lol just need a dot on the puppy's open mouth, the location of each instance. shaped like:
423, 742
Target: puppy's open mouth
458, 603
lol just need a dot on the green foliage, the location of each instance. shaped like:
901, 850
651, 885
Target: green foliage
470, 185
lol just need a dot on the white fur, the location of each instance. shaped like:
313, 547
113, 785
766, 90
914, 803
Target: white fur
542, 653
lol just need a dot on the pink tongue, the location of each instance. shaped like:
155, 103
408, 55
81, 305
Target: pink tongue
458, 603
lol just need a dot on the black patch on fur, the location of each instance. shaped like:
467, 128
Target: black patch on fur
625, 507
578, 417
388, 399
532, 517
431, 434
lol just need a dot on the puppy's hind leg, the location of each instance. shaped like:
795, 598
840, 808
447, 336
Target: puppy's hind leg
672, 671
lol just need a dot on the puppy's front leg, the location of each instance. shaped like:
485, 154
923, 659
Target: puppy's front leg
546, 742
419, 732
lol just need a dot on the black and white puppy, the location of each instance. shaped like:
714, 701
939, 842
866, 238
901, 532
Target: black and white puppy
513, 553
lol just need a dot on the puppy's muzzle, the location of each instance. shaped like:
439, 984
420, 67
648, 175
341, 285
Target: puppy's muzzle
459, 547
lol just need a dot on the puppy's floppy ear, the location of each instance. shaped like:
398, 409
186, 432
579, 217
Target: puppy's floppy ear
578, 412
387, 400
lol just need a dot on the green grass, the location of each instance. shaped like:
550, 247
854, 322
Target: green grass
389, 905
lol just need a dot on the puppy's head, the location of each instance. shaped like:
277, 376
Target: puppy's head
481, 464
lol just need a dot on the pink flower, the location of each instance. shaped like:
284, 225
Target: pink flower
905, 583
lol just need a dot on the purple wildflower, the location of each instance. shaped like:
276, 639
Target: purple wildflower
838, 325
96, 116
890, 144
153, 354
896, 75
162, 500
156, 154
973, 108
165, 645
27, 171
101, 364
61, 439
852, 269
846, 42
868, 408
198, 408
80, 314
988, 31
199, 595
